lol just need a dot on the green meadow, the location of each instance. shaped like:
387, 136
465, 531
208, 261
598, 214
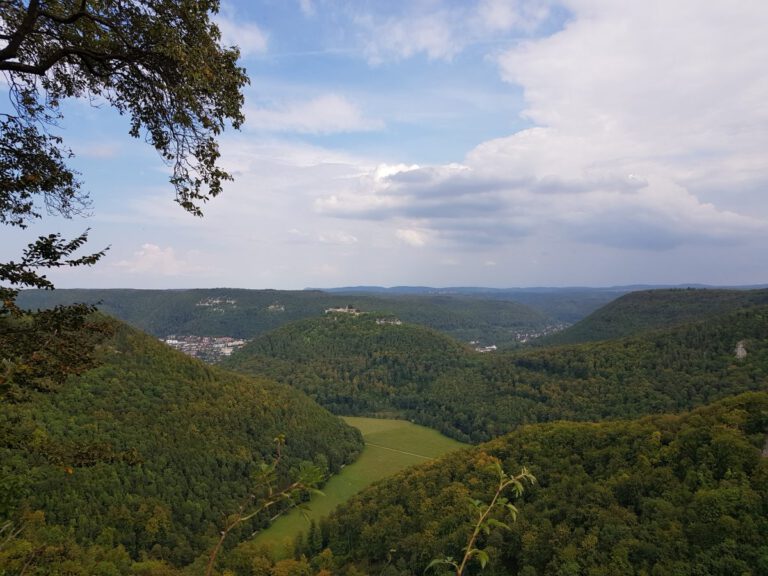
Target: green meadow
390, 446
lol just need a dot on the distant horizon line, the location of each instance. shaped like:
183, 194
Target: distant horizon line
423, 288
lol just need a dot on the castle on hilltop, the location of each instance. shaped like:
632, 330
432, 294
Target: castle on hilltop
346, 310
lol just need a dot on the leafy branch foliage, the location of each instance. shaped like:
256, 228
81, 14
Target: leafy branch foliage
50, 251
41, 351
485, 522
160, 63
266, 495
157, 61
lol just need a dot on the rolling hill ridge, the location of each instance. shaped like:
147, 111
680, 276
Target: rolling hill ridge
354, 366
646, 310
248, 313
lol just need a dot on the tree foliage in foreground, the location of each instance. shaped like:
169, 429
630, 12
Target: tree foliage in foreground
486, 521
158, 62
40, 350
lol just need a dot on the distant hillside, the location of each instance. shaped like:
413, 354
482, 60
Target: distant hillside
248, 313
645, 310
682, 495
203, 312
561, 305
354, 366
143, 457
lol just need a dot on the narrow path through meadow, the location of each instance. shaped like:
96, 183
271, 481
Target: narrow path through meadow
400, 451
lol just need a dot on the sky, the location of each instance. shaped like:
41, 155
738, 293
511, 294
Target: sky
499, 143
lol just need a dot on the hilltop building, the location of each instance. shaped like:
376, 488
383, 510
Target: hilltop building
346, 310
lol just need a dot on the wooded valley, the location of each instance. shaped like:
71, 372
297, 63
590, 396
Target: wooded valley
646, 447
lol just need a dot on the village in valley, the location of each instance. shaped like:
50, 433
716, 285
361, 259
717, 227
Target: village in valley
208, 348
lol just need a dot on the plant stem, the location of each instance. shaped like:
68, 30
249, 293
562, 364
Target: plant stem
478, 527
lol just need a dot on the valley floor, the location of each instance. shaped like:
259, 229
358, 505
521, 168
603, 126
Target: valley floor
390, 446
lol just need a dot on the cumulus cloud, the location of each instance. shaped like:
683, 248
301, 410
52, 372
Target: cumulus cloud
608, 209
326, 114
645, 73
650, 119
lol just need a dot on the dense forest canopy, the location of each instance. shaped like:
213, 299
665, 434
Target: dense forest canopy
646, 310
131, 467
353, 365
664, 495
145, 455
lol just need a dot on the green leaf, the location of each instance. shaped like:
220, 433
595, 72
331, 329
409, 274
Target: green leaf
493, 523
482, 557
441, 562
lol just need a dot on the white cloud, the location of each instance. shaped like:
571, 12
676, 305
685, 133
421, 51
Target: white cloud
337, 237
152, 259
403, 37
326, 114
651, 119
412, 237
247, 36
649, 71
441, 32
505, 15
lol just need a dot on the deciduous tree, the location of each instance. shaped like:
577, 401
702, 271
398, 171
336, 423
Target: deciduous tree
161, 63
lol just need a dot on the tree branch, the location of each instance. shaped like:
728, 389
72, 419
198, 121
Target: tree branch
62, 53
72, 18
25, 28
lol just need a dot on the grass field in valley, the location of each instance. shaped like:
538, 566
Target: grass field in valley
390, 446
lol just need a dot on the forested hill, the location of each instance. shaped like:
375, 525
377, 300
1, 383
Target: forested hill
354, 366
665, 495
645, 310
248, 313
144, 457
